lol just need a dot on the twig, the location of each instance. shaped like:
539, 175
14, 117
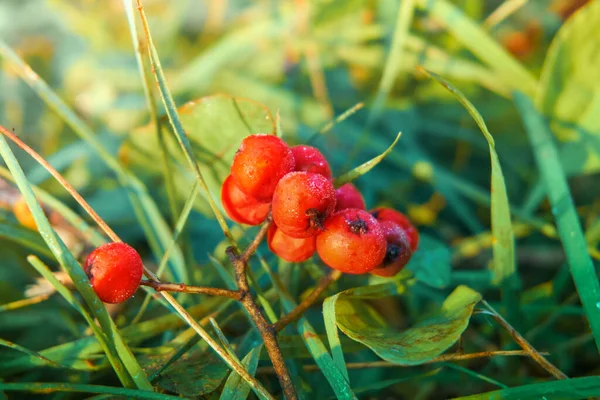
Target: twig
266, 330
182, 287
525, 345
308, 301
387, 364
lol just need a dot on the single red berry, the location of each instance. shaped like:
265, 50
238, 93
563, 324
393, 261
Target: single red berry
310, 159
302, 202
240, 207
352, 242
260, 162
348, 196
397, 253
389, 214
115, 271
289, 248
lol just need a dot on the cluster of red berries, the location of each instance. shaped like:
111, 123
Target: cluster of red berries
309, 214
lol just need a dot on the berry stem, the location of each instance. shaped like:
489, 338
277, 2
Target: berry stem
266, 330
182, 287
308, 301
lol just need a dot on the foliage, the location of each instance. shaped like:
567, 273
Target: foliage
145, 131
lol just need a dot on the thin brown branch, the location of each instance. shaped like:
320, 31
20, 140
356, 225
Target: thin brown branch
183, 288
308, 301
525, 345
266, 330
442, 358
262, 233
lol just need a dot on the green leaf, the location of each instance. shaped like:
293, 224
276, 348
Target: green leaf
566, 389
45, 388
480, 43
235, 387
215, 126
580, 263
569, 92
432, 263
366, 167
503, 242
193, 374
429, 338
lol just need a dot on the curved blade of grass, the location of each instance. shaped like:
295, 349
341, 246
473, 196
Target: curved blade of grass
45, 388
313, 343
171, 109
333, 335
235, 387
45, 361
87, 232
15, 305
179, 227
366, 167
502, 231
146, 210
317, 349
68, 296
124, 364
25, 237
574, 388
548, 161
77, 352
474, 38
392, 64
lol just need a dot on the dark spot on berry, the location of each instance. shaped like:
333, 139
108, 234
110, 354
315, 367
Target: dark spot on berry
392, 253
358, 226
375, 214
316, 218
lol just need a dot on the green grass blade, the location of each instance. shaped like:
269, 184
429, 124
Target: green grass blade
474, 38
395, 59
129, 371
565, 214
171, 109
235, 387
24, 237
179, 227
333, 335
146, 210
45, 388
44, 360
113, 356
566, 389
502, 231
365, 167
87, 232
317, 349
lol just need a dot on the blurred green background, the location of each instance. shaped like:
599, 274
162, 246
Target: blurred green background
308, 62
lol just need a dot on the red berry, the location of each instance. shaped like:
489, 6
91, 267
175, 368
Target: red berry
302, 202
352, 242
398, 251
240, 207
260, 162
309, 159
389, 214
289, 248
348, 196
115, 271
